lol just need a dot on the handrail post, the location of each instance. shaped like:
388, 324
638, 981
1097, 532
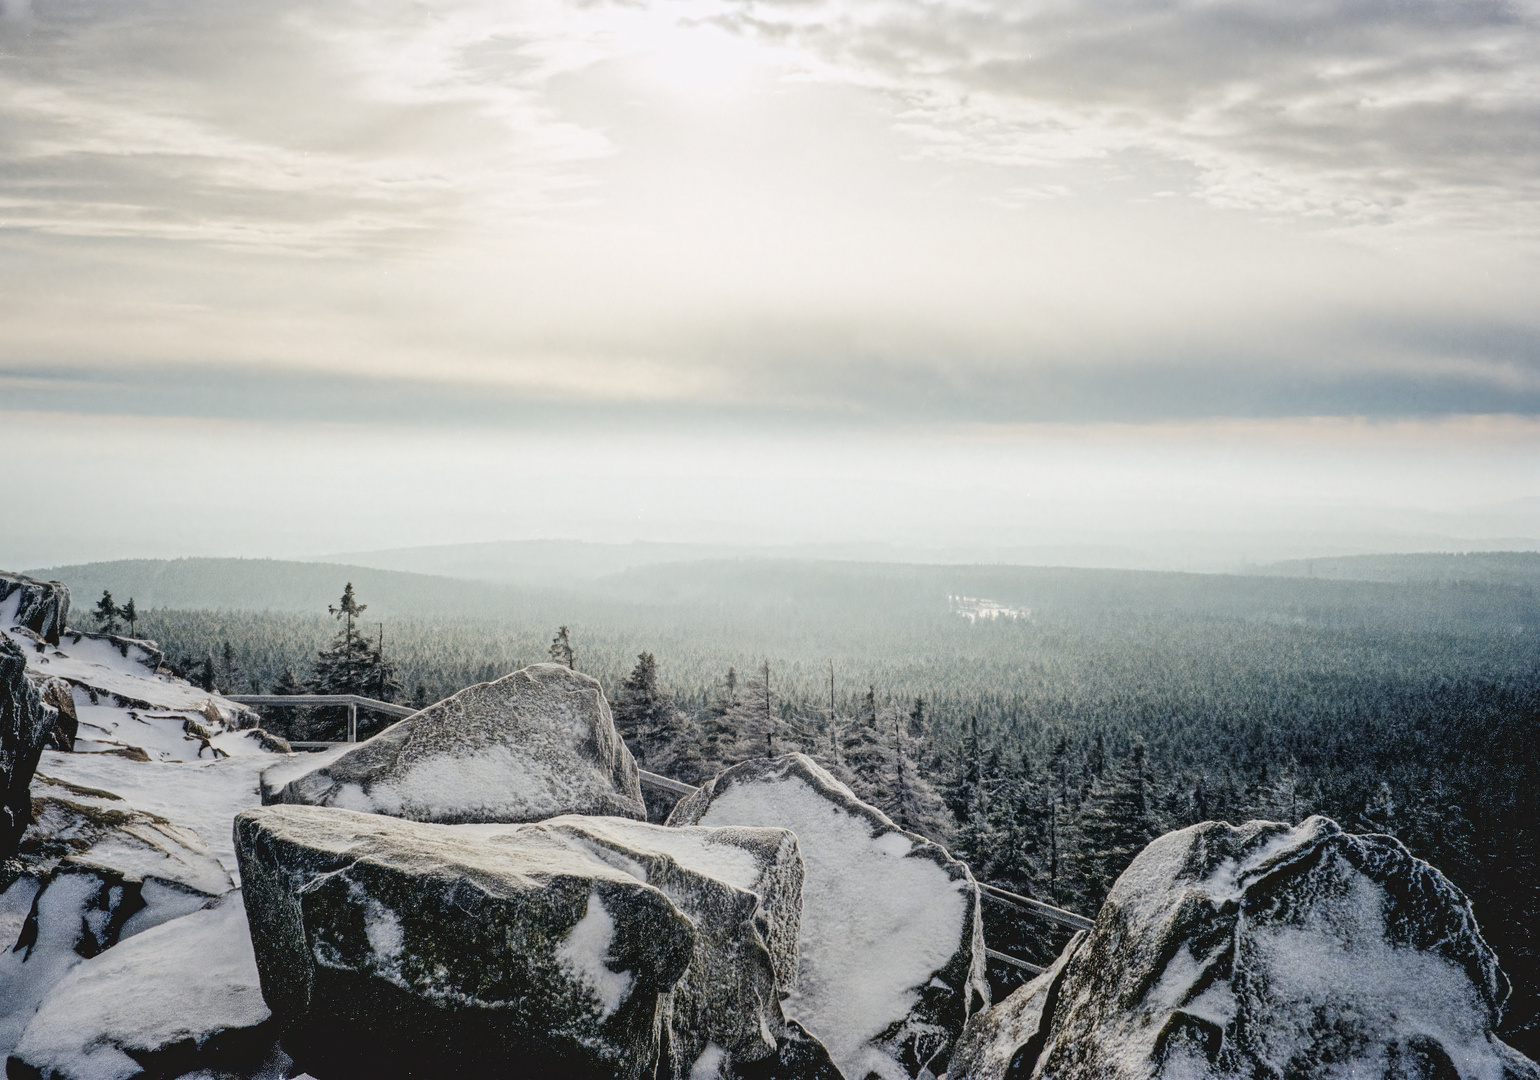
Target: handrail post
352, 721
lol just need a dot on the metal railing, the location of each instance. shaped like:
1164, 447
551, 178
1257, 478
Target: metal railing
354, 702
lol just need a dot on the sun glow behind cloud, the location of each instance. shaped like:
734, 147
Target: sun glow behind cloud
906, 220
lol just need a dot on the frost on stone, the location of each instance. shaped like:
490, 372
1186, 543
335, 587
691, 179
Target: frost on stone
1263, 950
741, 889
532, 745
178, 998
890, 957
392, 948
90, 877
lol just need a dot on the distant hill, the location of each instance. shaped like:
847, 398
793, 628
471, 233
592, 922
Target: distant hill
275, 585
1486, 567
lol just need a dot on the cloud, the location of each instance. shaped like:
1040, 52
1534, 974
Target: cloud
1359, 111
311, 128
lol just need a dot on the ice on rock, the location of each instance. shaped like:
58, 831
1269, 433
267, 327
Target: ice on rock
890, 948
1263, 950
392, 948
179, 998
532, 745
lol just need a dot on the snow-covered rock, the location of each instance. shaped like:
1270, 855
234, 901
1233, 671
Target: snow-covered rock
91, 872
179, 998
24, 728
529, 746
122, 701
391, 948
40, 606
742, 890
1266, 951
890, 947
59, 696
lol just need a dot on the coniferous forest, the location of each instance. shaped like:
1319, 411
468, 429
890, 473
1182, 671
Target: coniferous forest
1045, 739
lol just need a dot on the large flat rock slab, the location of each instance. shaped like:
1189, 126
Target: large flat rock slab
890, 949
1262, 951
390, 948
532, 745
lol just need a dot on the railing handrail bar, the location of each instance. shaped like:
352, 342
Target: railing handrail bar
1006, 958
322, 699
1036, 907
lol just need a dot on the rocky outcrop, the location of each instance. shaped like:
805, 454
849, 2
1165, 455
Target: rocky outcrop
147, 654
890, 949
40, 606
530, 746
1261, 951
741, 888
57, 695
86, 878
24, 729
180, 998
390, 948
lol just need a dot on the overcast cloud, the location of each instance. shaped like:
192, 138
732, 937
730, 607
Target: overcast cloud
811, 215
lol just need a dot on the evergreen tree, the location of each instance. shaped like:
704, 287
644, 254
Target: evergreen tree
351, 665
641, 708
129, 614
561, 649
106, 613
753, 718
1114, 825
229, 671
720, 727
289, 683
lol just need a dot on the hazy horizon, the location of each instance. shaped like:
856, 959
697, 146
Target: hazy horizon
1185, 285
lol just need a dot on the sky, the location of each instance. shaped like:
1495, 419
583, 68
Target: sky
1170, 283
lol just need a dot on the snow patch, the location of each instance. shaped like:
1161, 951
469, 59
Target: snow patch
183, 980
584, 952
875, 925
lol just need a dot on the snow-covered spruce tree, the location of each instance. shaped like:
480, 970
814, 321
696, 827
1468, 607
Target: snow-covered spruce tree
106, 613
561, 649
639, 708
718, 722
352, 665
1114, 825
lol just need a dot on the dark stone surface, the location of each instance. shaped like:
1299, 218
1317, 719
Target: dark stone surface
24, 729
42, 606
391, 949
1262, 951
